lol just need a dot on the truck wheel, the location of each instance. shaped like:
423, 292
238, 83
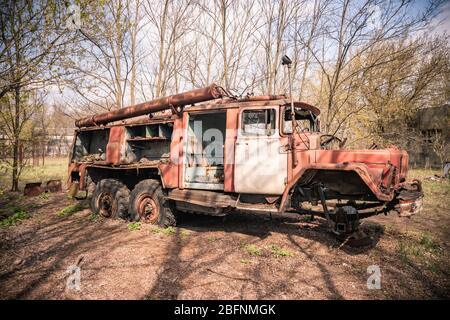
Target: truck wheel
110, 199
147, 204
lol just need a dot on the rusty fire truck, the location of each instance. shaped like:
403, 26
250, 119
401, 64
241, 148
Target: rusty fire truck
149, 161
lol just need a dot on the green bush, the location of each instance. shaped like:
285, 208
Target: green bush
253, 250
134, 226
14, 219
280, 252
70, 209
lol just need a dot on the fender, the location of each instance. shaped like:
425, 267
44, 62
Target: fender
360, 168
81, 169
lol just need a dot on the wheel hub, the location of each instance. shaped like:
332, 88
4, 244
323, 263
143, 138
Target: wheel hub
105, 204
147, 209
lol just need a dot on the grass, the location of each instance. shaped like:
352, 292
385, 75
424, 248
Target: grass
54, 168
14, 208
133, 226
184, 233
93, 217
253, 250
14, 219
43, 196
212, 238
165, 231
428, 243
70, 209
277, 251
432, 189
168, 231
280, 252
246, 261
421, 249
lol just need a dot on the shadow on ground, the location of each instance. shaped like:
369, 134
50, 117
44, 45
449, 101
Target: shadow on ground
209, 263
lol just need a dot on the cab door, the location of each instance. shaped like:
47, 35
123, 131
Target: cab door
260, 157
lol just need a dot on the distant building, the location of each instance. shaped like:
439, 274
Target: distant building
58, 141
55, 142
431, 123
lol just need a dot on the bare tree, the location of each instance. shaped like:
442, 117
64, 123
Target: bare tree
407, 77
277, 16
102, 62
307, 34
135, 28
16, 115
441, 147
229, 44
353, 29
32, 44
168, 23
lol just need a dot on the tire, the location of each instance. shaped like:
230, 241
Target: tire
110, 199
148, 204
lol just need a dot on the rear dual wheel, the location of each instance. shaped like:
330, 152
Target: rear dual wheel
148, 204
110, 199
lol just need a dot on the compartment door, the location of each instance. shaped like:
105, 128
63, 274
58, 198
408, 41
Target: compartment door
115, 145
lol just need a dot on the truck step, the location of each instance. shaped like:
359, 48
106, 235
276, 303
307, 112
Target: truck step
203, 198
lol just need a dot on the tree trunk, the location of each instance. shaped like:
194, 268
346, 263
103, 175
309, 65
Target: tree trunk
43, 153
135, 27
16, 141
224, 43
160, 82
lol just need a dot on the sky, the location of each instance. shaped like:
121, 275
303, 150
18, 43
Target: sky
441, 22
443, 18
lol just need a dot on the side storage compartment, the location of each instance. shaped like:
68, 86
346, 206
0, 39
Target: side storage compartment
146, 143
90, 145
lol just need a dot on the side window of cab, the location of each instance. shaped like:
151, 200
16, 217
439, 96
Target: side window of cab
258, 122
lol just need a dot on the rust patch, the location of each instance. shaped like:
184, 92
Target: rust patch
113, 147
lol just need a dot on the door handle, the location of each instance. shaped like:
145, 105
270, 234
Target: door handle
284, 148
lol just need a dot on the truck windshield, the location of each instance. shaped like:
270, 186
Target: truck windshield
304, 119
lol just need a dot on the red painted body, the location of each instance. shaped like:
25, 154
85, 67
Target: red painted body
382, 172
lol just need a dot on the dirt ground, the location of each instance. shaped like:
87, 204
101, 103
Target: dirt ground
241, 256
